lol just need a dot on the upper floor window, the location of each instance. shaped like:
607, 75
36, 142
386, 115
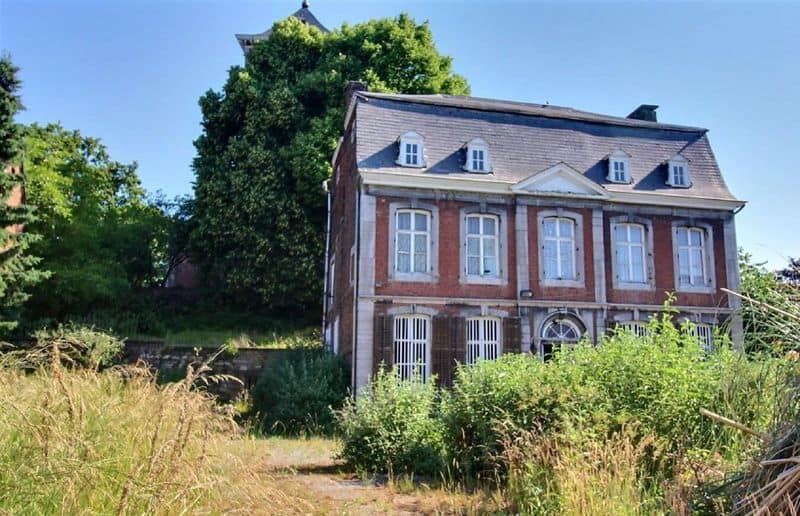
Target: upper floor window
412, 241
678, 172
618, 167
483, 338
630, 253
692, 267
482, 245
559, 248
411, 345
411, 150
477, 156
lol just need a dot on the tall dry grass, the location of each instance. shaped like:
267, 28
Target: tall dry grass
548, 475
77, 441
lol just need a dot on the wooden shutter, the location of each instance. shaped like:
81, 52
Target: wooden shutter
382, 342
512, 335
460, 338
443, 350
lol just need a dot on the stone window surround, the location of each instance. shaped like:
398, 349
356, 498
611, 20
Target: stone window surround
580, 276
650, 268
708, 243
432, 275
502, 242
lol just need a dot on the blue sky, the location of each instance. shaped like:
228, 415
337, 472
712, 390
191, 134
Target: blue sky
131, 72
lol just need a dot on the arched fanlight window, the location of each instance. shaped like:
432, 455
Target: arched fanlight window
559, 332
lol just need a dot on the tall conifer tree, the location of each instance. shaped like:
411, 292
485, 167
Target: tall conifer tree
18, 269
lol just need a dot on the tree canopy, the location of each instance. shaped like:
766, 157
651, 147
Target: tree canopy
18, 268
102, 237
267, 140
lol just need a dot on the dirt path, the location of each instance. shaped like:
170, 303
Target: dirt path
311, 481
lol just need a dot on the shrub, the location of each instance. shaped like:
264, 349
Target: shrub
299, 393
514, 389
392, 426
77, 346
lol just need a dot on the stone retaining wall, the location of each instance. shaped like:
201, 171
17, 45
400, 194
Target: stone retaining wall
247, 364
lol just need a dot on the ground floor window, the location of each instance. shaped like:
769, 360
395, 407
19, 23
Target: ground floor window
483, 339
705, 336
559, 333
412, 346
638, 328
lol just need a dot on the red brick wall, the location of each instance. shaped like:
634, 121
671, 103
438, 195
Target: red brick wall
665, 266
449, 266
344, 185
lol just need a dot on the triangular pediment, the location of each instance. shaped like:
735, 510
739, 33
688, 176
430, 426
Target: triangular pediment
560, 179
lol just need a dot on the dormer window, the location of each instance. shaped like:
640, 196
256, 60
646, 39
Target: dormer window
411, 150
477, 157
678, 175
618, 167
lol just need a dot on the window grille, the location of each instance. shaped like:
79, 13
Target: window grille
411, 345
483, 339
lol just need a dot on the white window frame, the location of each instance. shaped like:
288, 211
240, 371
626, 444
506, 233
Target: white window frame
678, 162
577, 247
431, 273
482, 240
403, 156
638, 328
705, 335
411, 332
708, 284
477, 145
647, 224
617, 159
648, 275
484, 338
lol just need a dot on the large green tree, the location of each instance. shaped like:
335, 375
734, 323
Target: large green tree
267, 140
18, 268
103, 239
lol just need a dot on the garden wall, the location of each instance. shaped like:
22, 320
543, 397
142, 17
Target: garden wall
171, 362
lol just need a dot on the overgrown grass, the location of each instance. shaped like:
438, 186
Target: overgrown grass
86, 442
235, 329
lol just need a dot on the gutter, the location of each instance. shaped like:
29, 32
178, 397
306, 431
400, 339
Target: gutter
325, 293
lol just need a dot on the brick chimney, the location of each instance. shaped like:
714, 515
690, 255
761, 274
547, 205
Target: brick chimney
351, 89
645, 112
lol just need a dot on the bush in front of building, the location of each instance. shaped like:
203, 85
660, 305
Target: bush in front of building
299, 394
393, 426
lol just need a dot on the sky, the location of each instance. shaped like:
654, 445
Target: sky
131, 72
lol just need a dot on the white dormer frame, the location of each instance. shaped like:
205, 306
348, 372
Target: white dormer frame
678, 175
619, 167
477, 152
411, 150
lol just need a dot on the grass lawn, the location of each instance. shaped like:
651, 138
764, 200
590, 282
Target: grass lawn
240, 329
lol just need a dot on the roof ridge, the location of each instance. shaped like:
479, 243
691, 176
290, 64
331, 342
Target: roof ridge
525, 108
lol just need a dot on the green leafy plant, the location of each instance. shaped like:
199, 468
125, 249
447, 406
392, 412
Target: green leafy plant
268, 135
299, 394
76, 346
393, 426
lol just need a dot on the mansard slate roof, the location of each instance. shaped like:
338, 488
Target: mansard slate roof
525, 139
